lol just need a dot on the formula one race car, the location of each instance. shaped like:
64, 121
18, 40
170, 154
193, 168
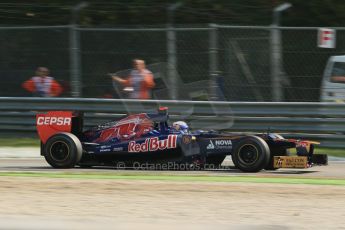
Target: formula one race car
148, 138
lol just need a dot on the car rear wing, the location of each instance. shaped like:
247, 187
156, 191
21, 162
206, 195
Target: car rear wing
54, 122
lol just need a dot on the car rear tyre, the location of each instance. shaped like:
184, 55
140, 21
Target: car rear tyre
63, 150
251, 154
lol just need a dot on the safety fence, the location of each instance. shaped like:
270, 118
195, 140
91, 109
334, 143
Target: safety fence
324, 122
214, 62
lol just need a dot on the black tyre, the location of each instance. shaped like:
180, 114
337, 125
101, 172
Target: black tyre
63, 150
276, 151
251, 154
215, 160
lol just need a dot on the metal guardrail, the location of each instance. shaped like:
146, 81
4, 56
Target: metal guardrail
317, 121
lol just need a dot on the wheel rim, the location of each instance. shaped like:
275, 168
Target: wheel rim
248, 154
59, 151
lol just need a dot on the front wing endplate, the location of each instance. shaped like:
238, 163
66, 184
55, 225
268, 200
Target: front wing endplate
290, 162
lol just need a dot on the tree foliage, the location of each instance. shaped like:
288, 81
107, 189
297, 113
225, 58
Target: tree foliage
154, 12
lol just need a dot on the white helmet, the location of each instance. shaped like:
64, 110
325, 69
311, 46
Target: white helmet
180, 126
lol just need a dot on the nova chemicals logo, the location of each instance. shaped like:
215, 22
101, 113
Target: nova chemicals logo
220, 144
223, 142
210, 145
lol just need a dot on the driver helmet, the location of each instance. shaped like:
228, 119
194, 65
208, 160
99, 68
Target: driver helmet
180, 126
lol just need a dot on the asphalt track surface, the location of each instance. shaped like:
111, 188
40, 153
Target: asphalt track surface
64, 203
335, 169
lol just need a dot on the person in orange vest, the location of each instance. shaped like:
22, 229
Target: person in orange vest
42, 85
139, 82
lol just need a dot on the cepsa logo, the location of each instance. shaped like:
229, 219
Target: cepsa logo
153, 144
54, 121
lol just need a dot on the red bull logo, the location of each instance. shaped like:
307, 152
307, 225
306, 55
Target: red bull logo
153, 144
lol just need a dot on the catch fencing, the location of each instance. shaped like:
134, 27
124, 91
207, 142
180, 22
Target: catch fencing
324, 122
214, 62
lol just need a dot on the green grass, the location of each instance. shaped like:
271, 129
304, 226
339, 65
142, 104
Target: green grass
331, 152
180, 178
34, 142
19, 142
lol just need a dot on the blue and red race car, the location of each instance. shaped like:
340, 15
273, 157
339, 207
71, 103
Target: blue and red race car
148, 138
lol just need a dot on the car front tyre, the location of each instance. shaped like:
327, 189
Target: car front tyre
251, 154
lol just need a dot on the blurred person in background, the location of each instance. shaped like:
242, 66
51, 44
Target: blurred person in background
43, 85
139, 82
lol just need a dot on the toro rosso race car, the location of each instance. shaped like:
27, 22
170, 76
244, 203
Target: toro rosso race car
148, 138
